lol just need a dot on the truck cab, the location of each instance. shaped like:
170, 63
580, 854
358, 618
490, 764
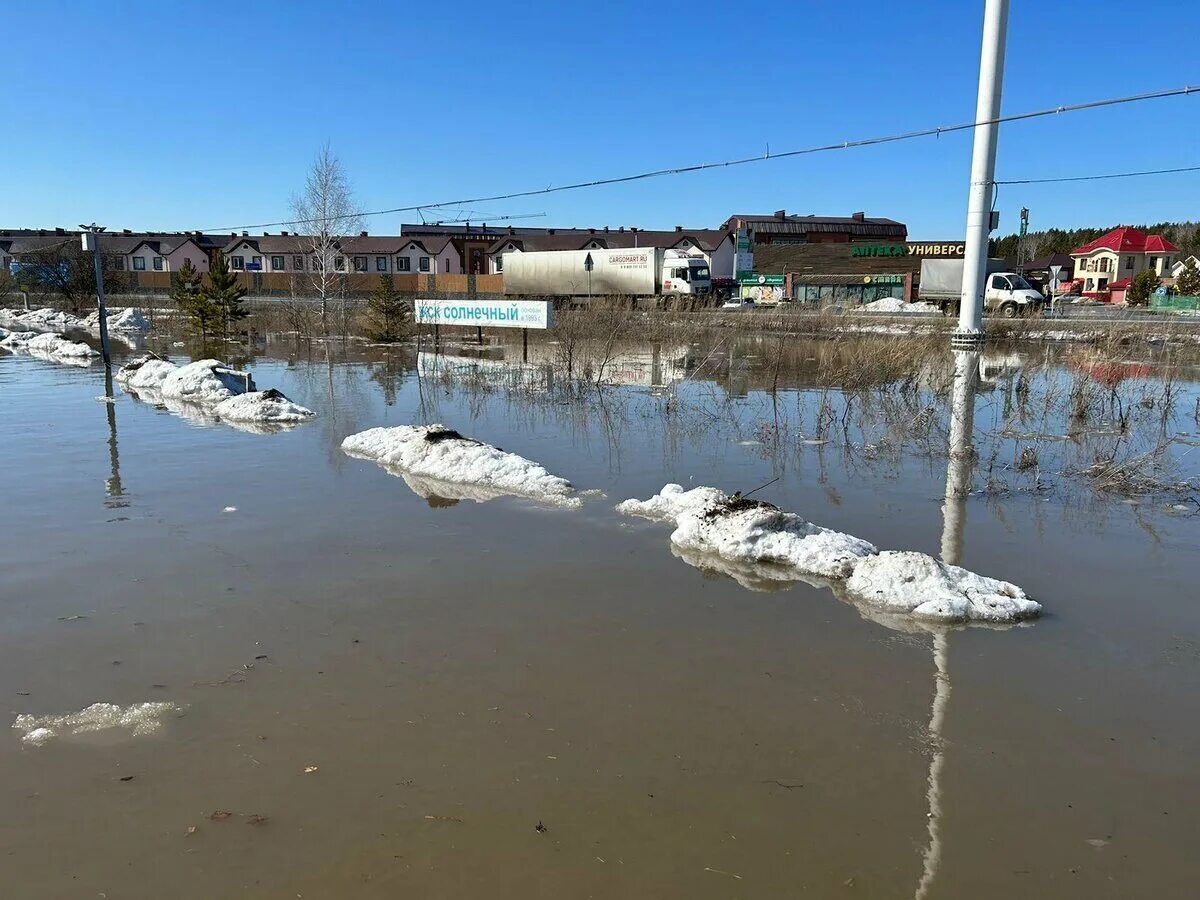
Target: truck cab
686, 275
1010, 295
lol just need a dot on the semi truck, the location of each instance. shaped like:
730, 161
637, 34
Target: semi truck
1006, 293
629, 272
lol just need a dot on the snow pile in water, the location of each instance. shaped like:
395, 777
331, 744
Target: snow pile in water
750, 531
761, 546
49, 345
201, 382
927, 588
129, 321
435, 451
45, 319
145, 373
16, 340
138, 718
261, 406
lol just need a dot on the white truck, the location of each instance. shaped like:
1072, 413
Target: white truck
629, 272
1006, 293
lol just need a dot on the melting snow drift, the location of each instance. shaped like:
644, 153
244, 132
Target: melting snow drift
145, 373
49, 345
435, 451
926, 588
138, 719
261, 406
203, 381
760, 544
750, 531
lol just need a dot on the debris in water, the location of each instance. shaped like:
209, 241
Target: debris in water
220, 815
229, 509
138, 718
438, 452
308, 770
256, 819
540, 828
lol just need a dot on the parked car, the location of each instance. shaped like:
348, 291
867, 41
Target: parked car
737, 303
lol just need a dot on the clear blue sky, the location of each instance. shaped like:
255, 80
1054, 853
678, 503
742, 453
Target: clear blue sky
152, 115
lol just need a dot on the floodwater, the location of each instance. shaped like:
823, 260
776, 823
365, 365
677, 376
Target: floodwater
394, 695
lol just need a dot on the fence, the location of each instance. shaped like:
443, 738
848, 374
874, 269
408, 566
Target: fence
283, 284
1176, 302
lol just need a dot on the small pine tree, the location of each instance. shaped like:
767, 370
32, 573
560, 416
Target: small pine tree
1144, 284
387, 312
1188, 282
225, 293
187, 291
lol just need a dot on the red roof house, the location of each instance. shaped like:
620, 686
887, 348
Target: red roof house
1107, 265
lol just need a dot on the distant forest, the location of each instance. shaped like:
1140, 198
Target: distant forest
1184, 235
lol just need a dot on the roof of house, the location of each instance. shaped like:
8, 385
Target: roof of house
780, 222
1127, 240
706, 239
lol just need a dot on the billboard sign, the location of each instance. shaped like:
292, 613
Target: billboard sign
486, 313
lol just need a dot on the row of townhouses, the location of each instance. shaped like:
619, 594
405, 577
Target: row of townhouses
434, 249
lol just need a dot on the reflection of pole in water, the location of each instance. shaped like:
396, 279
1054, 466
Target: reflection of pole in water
937, 719
959, 470
961, 455
113, 488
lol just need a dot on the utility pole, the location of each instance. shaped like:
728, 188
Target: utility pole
1024, 232
983, 174
91, 241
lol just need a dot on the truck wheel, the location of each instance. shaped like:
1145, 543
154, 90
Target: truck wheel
1009, 310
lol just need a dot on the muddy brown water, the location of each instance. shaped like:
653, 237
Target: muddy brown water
460, 673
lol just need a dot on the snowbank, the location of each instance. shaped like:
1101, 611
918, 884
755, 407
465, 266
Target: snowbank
202, 382
145, 373
44, 319
261, 406
138, 718
750, 531
895, 305
763, 547
926, 588
129, 321
50, 346
434, 451
16, 340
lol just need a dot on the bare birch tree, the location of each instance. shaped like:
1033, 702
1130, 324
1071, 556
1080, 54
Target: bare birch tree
327, 213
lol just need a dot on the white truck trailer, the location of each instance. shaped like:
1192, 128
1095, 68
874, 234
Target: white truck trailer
1006, 293
629, 272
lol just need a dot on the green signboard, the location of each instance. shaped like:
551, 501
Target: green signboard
753, 278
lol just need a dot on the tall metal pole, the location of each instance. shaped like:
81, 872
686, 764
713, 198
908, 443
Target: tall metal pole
91, 241
983, 173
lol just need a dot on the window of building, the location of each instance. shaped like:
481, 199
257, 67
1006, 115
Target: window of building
1103, 265
339, 263
403, 264
158, 264
446, 264
237, 262
316, 263
360, 264
1151, 261
139, 263
257, 261
500, 263
1088, 285
277, 264
1101, 283
298, 263
423, 263
381, 264
1129, 262
1166, 262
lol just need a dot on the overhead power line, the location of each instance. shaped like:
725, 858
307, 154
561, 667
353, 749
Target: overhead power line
1100, 177
700, 167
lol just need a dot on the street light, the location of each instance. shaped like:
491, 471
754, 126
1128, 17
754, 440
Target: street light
91, 241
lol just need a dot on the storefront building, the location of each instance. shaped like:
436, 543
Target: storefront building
851, 273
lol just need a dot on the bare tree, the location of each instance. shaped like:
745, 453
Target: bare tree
327, 213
